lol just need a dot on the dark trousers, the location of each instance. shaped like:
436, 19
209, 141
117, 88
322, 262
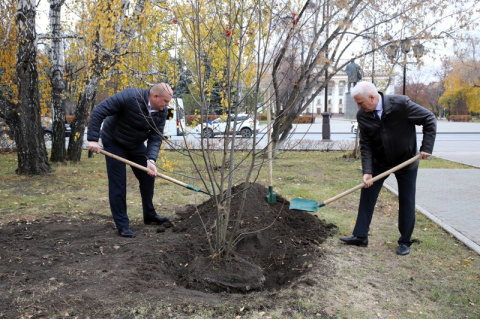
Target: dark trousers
407, 181
117, 182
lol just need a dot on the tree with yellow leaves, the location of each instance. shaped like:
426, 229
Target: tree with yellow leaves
121, 41
462, 83
225, 47
8, 49
21, 104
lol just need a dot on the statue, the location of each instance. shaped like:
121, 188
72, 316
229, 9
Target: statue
354, 72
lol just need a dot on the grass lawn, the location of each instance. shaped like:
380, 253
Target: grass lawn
439, 279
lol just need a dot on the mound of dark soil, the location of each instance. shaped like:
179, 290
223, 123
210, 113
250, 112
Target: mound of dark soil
78, 265
275, 244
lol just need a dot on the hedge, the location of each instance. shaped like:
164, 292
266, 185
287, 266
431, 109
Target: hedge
460, 118
189, 119
300, 119
304, 119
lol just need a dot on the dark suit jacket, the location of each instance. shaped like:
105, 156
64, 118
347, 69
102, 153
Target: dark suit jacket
393, 140
128, 122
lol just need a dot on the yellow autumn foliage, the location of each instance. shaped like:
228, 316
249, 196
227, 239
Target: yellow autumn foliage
219, 44
8, 51
463, 83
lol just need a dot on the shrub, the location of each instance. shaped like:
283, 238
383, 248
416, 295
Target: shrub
460, 118
301, 119
189, 119
305, 119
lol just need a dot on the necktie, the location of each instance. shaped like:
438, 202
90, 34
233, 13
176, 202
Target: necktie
375, 113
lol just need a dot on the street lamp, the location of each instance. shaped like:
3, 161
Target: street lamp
406, 47
326, 114
449, 110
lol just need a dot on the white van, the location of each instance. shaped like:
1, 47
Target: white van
175, 123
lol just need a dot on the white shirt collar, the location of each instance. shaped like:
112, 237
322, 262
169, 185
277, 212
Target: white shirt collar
150, 108
379, 107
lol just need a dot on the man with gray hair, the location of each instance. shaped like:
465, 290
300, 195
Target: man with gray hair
388, 138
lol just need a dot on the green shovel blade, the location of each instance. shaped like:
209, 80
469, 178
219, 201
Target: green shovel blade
304, 204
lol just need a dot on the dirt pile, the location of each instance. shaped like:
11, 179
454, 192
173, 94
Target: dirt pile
275, 244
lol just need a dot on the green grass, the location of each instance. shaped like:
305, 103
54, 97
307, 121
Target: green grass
439, 279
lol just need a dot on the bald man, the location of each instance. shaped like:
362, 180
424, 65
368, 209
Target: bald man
131, 118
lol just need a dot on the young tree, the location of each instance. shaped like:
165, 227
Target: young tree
222, 44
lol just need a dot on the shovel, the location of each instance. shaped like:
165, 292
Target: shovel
271, 196
312, 205
143, 168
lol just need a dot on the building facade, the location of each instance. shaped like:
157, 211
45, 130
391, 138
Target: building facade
337, 95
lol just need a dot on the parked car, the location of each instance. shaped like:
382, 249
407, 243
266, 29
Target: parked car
47, 126
244, 127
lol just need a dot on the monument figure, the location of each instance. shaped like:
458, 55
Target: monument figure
354, 72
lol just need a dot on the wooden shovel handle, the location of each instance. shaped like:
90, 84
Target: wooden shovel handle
376, 178
143, 168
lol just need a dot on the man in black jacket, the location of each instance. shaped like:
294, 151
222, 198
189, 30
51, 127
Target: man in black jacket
130, 118
388, 138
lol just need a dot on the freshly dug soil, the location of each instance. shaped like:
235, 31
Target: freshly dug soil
79, 265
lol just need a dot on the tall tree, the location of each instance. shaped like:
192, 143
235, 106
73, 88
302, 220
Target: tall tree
25, 115
57, 82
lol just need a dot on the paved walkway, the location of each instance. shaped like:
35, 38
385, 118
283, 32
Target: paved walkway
450, 197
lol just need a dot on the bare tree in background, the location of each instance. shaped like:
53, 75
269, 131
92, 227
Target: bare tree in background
338, 31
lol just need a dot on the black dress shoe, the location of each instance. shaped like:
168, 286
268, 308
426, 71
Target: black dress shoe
126, 232
157, 220
354, 240
403, 250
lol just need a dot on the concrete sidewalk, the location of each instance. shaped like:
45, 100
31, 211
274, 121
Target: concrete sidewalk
450, 197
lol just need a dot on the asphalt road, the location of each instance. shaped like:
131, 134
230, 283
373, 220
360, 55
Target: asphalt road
455, 141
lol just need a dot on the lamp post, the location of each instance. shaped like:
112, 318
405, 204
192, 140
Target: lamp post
326, 114
449, 111
405, 47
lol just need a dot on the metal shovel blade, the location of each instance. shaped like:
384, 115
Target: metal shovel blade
308, 205
312, 205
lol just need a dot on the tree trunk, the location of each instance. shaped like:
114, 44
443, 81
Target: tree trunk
58, 85
31, 150
85, 103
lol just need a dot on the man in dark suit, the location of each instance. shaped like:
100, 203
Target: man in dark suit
388, 138
130, 118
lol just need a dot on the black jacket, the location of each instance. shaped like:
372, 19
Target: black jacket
127, 122
393, 140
